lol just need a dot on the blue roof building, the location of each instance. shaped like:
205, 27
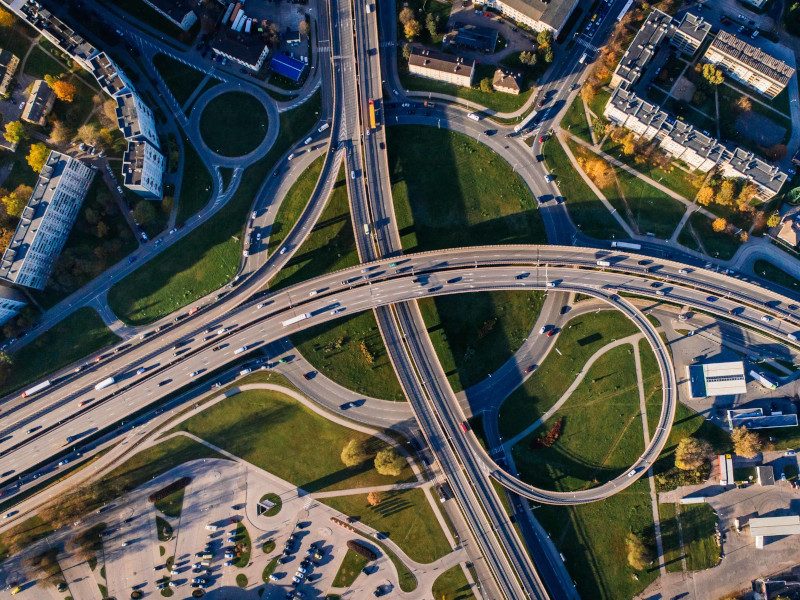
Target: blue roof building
287, 66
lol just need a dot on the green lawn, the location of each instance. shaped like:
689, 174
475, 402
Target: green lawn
81, 333
461, 194
475, 334
695, 524
148, 16
719, 245
40, 63
349, 570
598, 104
196, 184
242, 538
645, 208
601, 429
275, 432
164, 530
351, 352
233, 124
208, 258
180, 78
774, 274
294, 202
574, 120
91, 248
587, 211
580, 339
17, 38
452, 585
172, 504
404, 516
330, 245
592, 539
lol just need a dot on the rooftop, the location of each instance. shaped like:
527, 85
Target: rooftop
247, 47
644, 46
39, 102
553, 13
770, 526
287, 66
7, 60
751, 167
754, 418
755, 58
472, 36
107, 74
439, 61
717, 379
694, 27
503, 79
176, 9
65, 36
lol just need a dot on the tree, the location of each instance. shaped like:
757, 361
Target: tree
102, 230
548, 55
59, 133
705, 195
389, 462
144, 212
406, 15
598, 170
629, 144
354, 453
17, 200
88, 134
6, 362
374, 498
527, 58
6, 18
544, 39
37, 156
15, 132
486, 85
719, 224
638, 554
406, 51
692, 454
743, 104
745, 443
746, 195
712, 74
412, 29
774, 220
304, 28
432, 24
64, 90
110, 111
727, 192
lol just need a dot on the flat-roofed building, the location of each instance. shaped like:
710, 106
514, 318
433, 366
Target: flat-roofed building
442, 67
46, 221
39, 104
717, 379
11, 303
690, 33
764, 527
472, 37
247, 49
177, 12
8, 67
143, 169
58, 32
749, 65
754, 418
628, 110
537, 14
765, 475
769, 179
287, 66
653, 31
135, 119
109, 76
506, 82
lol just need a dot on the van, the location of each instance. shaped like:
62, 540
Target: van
551, 284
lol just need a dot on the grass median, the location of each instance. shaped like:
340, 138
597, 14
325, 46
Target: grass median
452, 585
208, 257
577, 342
180, 78
279, 434
777, 275
196, 184
81, 333
233, 123
349, 570
404, 516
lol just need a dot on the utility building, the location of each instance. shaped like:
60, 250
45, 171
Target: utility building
717, 379
763, 527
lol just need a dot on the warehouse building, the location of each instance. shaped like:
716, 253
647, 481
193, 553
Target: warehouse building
717, 379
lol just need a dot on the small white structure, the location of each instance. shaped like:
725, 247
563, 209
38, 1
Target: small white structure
773, 526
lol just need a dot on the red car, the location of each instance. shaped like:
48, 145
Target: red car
552, 332
542, 139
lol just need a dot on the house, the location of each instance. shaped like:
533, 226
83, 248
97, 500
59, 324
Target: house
506, 82
442, 67
40, 103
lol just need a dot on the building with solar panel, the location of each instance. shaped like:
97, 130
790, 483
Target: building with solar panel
717, 379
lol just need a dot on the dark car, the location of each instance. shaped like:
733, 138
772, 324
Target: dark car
539, 157
310, 375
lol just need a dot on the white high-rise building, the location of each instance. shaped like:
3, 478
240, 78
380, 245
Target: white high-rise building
143, 169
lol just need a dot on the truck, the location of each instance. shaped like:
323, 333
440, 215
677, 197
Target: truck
240, 350
296, 319
36, 389
193, 310
108, 381
628, 245
603, 263
366, 228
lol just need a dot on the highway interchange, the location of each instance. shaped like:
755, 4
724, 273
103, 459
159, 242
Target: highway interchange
34, 431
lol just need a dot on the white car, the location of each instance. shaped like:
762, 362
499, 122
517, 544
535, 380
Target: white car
283, 250
766, 318
194, 373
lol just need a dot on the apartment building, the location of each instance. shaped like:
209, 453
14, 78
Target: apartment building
46, 221
442, 67
111, 79
11, 303
655, 29
540, 15
57, 32
39, 104
8, 67
689, 34
143, 169
698, 150
749, 65
135, 119
177, 12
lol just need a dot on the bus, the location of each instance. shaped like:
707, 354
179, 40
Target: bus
372, 114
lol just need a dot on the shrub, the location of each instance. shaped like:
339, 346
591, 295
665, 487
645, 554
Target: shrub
361, 549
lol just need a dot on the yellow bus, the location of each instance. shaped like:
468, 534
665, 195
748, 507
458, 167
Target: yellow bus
371, 113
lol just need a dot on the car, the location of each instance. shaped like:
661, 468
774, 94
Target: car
539, 157
302, 570
552, 332
143, 235
549, 177
283, 250
140, 370
790, 453
310, 375
542, 139
766, 318
346, 405
490, 132
530, 368
194, 373
543, 329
